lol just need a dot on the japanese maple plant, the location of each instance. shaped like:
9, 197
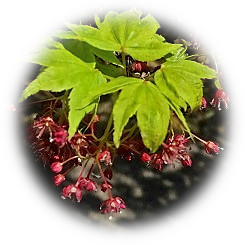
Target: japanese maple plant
151, 85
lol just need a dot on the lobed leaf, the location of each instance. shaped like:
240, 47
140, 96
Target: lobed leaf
124, 108
110, 87
183, 78
126, 32
151, 109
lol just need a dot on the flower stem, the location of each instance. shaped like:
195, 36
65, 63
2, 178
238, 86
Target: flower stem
103, 176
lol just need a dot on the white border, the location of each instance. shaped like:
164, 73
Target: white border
30, 215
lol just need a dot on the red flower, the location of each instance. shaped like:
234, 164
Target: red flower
211, 147
204, 104
104, 186
58, 179
145, 157
56, 167
88, 184
112, 205
220, 97
72, 191
139, 66
60, 137
157, 162
105, 157
186, 160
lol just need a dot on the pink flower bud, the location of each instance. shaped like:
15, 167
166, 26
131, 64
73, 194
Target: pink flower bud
211, 147
58, 179
56, 167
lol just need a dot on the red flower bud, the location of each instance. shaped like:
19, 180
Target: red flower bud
58, 179
220, 97
211, 147
56, 167
186, 160
145, 157
139, 66
104, 186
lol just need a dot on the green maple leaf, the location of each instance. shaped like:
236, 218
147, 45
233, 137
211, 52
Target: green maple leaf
65, 71
86, 52
181, 81
127, 33
139, 98
151, 109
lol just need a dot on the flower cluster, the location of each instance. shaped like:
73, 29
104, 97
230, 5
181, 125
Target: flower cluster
64, 155
50, 140
173, 150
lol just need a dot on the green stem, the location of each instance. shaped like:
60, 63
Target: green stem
124, 64
130, 133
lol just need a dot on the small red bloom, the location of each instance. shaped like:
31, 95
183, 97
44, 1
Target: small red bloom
88, 184
60, 137
58, 179
220, 97
104, 186
211, 147
145, 157
105, 157
179, 139
157, 162
56, 167
139, 66
72, 191
112, 205
186, 160
204, 104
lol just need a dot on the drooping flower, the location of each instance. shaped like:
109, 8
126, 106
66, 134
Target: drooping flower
58, 179
112, 205
72, 191
220, 97
186, 160
88, 184
56, 167
105, 185
211, 147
